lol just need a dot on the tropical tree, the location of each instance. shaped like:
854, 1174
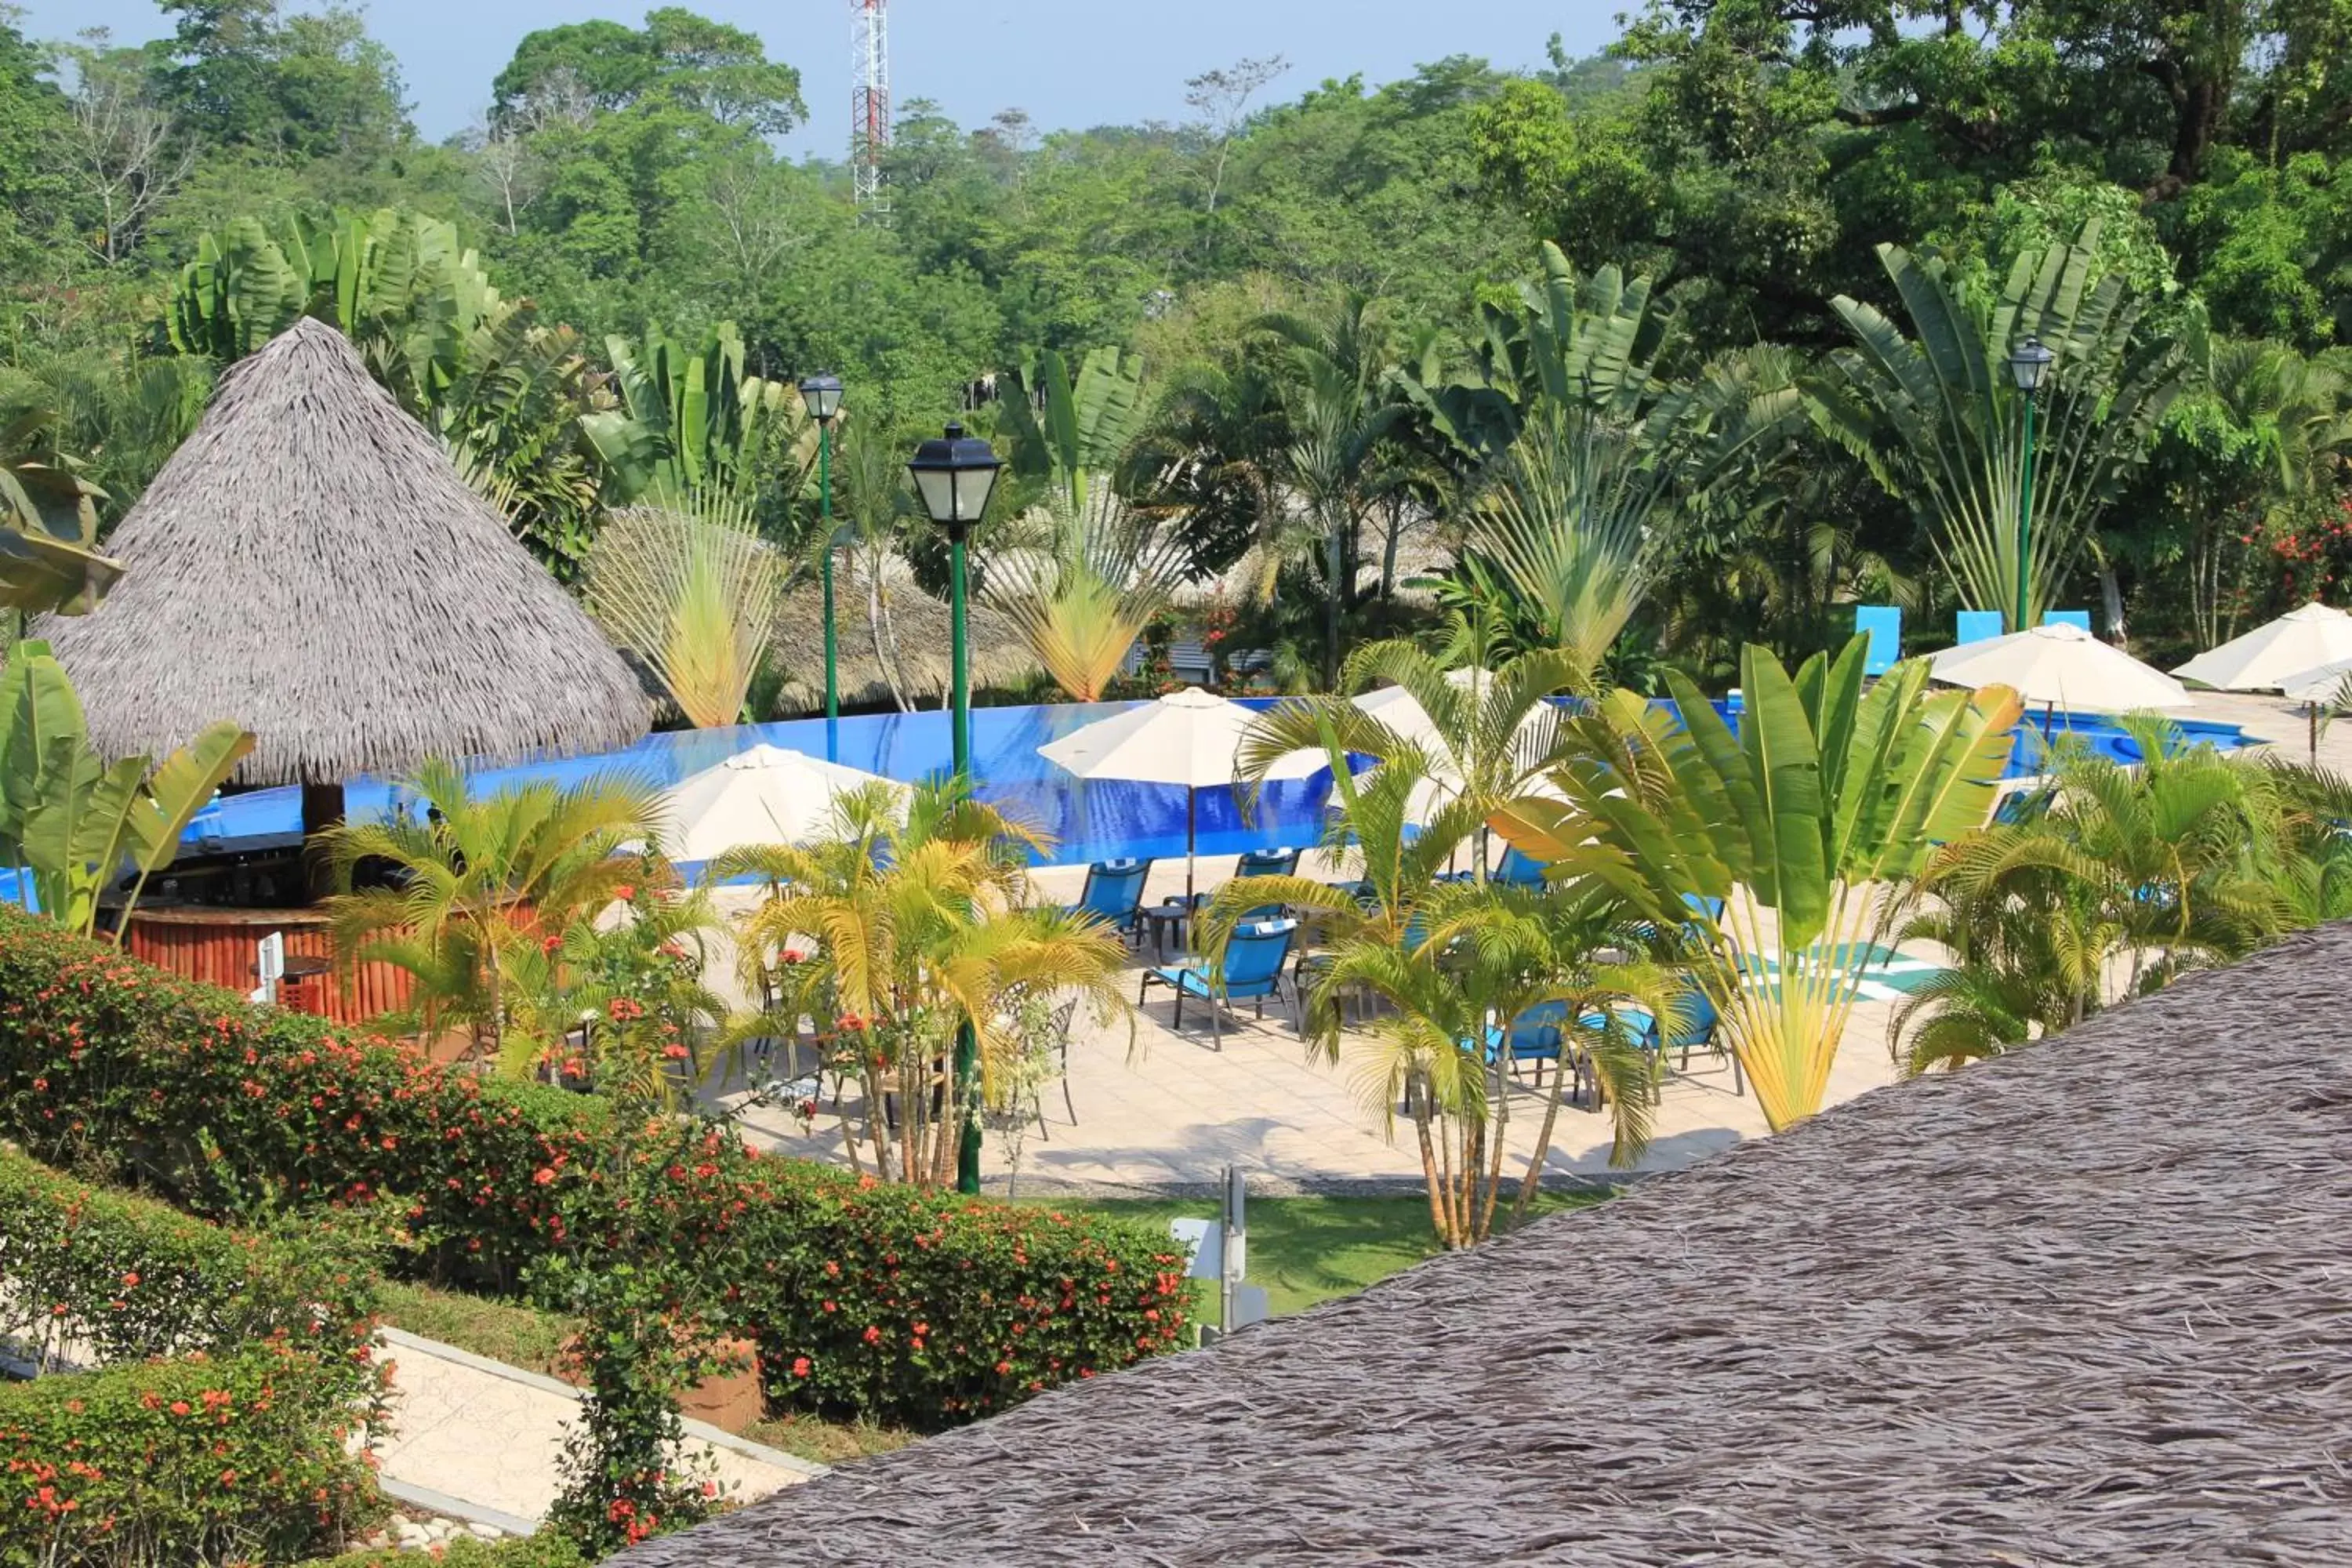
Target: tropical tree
48, 524
475, 881
1456, 961
1797, 821
77, 822
691, 421
1477, 737
694, 593
910, 924
1595, 453
1339, 406
1075, 433
2112, 880
1938, 419
1083, 592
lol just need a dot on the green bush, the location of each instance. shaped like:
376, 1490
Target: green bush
545, 1549
905, 1308
124, 1278
203, 1460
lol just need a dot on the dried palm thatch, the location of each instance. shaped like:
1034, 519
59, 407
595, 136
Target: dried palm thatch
2069, 1306
894, 639
310, 565
692, 590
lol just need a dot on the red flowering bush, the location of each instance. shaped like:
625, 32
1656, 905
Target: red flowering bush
108, 1064
237, 1458
124, 1279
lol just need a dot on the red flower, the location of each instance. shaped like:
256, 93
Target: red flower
130, 1278
873, 1335
550, 944
800, 1366
624, 892
543, 1176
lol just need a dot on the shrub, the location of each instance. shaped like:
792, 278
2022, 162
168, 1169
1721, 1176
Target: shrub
905, 1308
545, 1549
236, 1458
130, 1278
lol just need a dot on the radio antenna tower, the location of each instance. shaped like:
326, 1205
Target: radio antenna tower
869, 104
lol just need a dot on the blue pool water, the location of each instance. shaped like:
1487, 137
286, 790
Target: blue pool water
1088, 820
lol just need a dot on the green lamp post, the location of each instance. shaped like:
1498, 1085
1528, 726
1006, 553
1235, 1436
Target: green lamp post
821, 395
955, 475
2027, 366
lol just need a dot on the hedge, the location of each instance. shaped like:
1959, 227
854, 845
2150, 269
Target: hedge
123, 1278
545, 1549
903, 1307
230, 1459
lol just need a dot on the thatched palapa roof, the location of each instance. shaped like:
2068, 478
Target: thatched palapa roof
2088, 1302
309, 564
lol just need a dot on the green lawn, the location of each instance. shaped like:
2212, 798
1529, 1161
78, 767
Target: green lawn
1305, 1251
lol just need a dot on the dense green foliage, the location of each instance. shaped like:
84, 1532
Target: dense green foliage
126, 1278
1309, 281
916, 1309
238, 1457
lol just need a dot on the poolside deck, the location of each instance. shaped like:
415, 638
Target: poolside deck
1164, 1113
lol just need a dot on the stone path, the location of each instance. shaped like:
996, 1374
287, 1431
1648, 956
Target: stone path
482, 1441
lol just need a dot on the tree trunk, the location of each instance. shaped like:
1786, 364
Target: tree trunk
875, 616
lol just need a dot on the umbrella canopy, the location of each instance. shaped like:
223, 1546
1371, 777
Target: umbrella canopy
2262, 660
764, 795
2062, 666
310, 565
1187, 737
2319, 684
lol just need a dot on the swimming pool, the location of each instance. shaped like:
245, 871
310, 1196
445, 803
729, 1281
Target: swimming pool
1087, 819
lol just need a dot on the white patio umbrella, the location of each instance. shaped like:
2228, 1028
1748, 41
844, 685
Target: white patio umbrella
1187, 737
2262, 660
2061, 666
764, 795
2317, 684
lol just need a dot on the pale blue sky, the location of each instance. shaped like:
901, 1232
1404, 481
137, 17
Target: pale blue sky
1067, 62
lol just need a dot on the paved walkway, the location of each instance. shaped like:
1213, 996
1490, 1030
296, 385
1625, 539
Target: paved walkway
484, 1441
1161, 1111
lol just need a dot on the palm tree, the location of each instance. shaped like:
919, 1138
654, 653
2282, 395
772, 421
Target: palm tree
1339, 405
1795, 823
916, 906
1082, 593
1938, 419
481, 878
1456, 961
1480, 738
2113, 880
1595, 454
694, 592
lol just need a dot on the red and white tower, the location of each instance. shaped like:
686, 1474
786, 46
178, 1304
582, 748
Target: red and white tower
870, 105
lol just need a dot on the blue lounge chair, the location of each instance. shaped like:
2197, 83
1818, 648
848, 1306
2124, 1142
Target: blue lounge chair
1251, 971
2081, 618
1533, 1037
1518, 870
1978, 626
1697, 1032
1267, 863
1883, 624
1114, 894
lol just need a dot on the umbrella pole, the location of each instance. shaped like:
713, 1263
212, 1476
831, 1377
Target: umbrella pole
1191, 820
2312, 709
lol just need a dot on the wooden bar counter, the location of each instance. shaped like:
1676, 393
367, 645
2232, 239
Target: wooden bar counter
219, 945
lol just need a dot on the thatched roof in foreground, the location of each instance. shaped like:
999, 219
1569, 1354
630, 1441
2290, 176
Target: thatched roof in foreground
2091, 1302
922, 626
309, 564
